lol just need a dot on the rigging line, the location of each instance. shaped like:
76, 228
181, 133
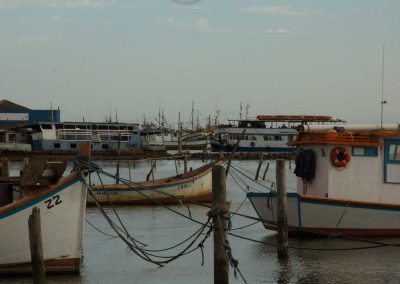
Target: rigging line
234, 171
177, 245
115, 228
184, 251
97, 229
340, 220
308, 248
235, 180
117, 215
243, 227
321, 233
250, 178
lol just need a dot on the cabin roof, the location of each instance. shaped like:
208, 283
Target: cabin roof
333, 137
299, 118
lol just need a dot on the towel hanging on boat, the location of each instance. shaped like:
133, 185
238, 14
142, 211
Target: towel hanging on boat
305, 164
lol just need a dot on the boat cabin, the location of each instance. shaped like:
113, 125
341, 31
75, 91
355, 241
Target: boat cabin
359, 162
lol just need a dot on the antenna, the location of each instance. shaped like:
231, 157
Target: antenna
383, 73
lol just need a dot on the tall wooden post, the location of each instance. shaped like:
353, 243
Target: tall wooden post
35, 241
6, 190
221, 263
282, 210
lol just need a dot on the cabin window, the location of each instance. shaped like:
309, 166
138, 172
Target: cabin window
278, 138
392, 161
12, 137
365, 151
72, 146
57, 146
104, 146
267, 137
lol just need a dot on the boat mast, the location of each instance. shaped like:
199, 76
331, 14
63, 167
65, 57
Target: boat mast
383, 73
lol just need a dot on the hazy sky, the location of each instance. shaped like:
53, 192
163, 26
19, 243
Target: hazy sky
95, 57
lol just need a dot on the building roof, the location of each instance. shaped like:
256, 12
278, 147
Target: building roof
7, 105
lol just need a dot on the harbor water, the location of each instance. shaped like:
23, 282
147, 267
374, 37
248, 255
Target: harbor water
107, 259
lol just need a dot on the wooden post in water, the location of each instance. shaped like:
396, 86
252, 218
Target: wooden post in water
185, 164
259, 166
221, 263
35, 241
176, 167
266, 170
179, 135
119, 157
282, 210
6, 190
129, 170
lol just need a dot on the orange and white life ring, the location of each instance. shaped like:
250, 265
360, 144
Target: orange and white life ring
340, 157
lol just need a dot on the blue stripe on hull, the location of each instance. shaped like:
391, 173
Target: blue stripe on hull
343, 203
39, 199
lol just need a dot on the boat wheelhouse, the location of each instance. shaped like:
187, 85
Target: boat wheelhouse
266, 133
348, 182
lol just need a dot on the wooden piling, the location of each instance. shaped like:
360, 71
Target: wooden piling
35, 241
282, 210
119, 158
221, 263
6, 189
185, 164
129, 170
259, 166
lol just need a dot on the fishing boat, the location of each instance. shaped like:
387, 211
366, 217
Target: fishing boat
194, 185
348, 182
62, 203
266, 133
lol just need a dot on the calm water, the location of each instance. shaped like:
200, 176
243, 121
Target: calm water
108, 260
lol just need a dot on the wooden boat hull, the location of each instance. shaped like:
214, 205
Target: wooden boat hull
62, 210
330, 216
194, 186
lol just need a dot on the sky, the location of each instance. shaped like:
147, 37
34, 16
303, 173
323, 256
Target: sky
128, 59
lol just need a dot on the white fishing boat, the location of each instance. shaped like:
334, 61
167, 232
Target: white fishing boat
194, 185
348, 182
266, 133
62, 203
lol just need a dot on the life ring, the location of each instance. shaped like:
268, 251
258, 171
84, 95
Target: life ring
340, 157
252, 144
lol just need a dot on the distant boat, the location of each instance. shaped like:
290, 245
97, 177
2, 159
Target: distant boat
266, 133
66, 137
348, 182
62, 203
168, 139
195, 185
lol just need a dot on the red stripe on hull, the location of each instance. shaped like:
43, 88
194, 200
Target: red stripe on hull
62, 265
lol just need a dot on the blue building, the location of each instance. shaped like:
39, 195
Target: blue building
12, 114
